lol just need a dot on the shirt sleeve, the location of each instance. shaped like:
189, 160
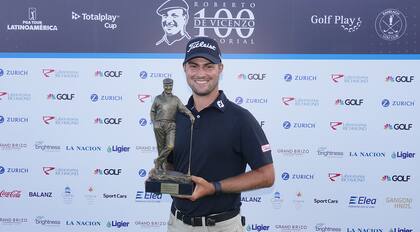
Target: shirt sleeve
253, 142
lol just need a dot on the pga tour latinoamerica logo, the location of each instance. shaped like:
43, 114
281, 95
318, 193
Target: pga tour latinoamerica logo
231, 23
390, 24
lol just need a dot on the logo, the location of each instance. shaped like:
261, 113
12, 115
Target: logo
40, 194
11, 194
12, 146
349, 79
67, 195
396, 178
108, 20
323, 151
362, 202
396, 103
13, 170
40, 220
145, 75
1, 119
346, 23
287, 176
339, 177
61, 96
115, 74
399, 202
83, 223
403, 155
349, 102
49, 120
143, 98
117, 224
323, 227
253, 199
114, 196
150, 224
118, 149
84, 148
143, 122
293, 151
364, 229
252, 76
398, 126
108, 121
32, 23
257, 227
398, 229
240, 100
289, 77
390, 24
107, 172
368, 154
147, 149
400, 79
325, 201
55, 73
142, 173
277, 200
95, 97
293, 101
15, 96
60, 171
13, 221
4, 119
291, 227
2, 94
142, 196
335, 126
298, 125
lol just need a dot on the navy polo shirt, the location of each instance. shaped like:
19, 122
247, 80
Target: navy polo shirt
226, 137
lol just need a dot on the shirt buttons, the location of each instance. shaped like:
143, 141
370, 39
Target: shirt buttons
198, 116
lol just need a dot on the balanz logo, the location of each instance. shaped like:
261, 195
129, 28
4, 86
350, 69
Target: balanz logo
40, 194
252, 76
398, 126
349, 79
390, 24
349, 24
349, 102
108, 73
400, 78
32, 23
108, 20
403, 155
362, 202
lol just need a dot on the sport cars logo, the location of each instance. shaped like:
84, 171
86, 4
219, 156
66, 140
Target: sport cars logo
334, 125
336, 77
47, 170
287, 100
47, 119
333, 176
47, 72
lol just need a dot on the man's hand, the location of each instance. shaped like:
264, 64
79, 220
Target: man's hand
202, 188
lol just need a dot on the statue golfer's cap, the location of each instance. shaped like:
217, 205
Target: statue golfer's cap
203, 47
168, 81
172, 4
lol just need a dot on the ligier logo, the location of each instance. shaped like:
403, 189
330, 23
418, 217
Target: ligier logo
117, 224
403, 155
399, 229
256, 227
108, 20
349, 24
118, 149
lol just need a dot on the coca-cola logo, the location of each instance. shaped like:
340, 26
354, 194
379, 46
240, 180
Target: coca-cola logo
12, 194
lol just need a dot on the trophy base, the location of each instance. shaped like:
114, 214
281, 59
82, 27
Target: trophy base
169, 182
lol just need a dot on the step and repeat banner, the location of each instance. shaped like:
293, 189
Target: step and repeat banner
334, 85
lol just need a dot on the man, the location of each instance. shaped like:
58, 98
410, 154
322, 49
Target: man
162, 114
174, 15
226, 137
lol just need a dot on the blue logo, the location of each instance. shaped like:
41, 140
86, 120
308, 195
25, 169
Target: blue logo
142, 173
2, 170
285, 176
1, 119
288, 77
94, 97
143, 75
1, 72
286, 125
143, 122
385, 103
239, 100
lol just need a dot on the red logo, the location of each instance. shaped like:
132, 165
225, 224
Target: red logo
287, 100
336, 77
2, 94
334, 125
333, 176
12, 194
47, 119
47, 170
143, 97
47, 72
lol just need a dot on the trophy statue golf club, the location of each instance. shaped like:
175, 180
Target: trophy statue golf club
163, 113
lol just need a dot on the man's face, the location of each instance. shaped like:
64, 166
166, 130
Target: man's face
167, 88
173, 21
203, 76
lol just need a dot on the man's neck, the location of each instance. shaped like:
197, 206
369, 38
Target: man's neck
202, 102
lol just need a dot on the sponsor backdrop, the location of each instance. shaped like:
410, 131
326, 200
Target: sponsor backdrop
334, 85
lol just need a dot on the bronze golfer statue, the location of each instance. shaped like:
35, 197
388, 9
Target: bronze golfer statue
163, 113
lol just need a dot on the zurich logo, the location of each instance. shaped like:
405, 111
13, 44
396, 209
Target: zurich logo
239, 100
142, 172
286, 125
1, 119
285, 176
385, 103
94, 97
1, 72
2, 170
288, 77
143, 75
143, 122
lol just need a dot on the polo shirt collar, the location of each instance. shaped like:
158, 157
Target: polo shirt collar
219, 103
